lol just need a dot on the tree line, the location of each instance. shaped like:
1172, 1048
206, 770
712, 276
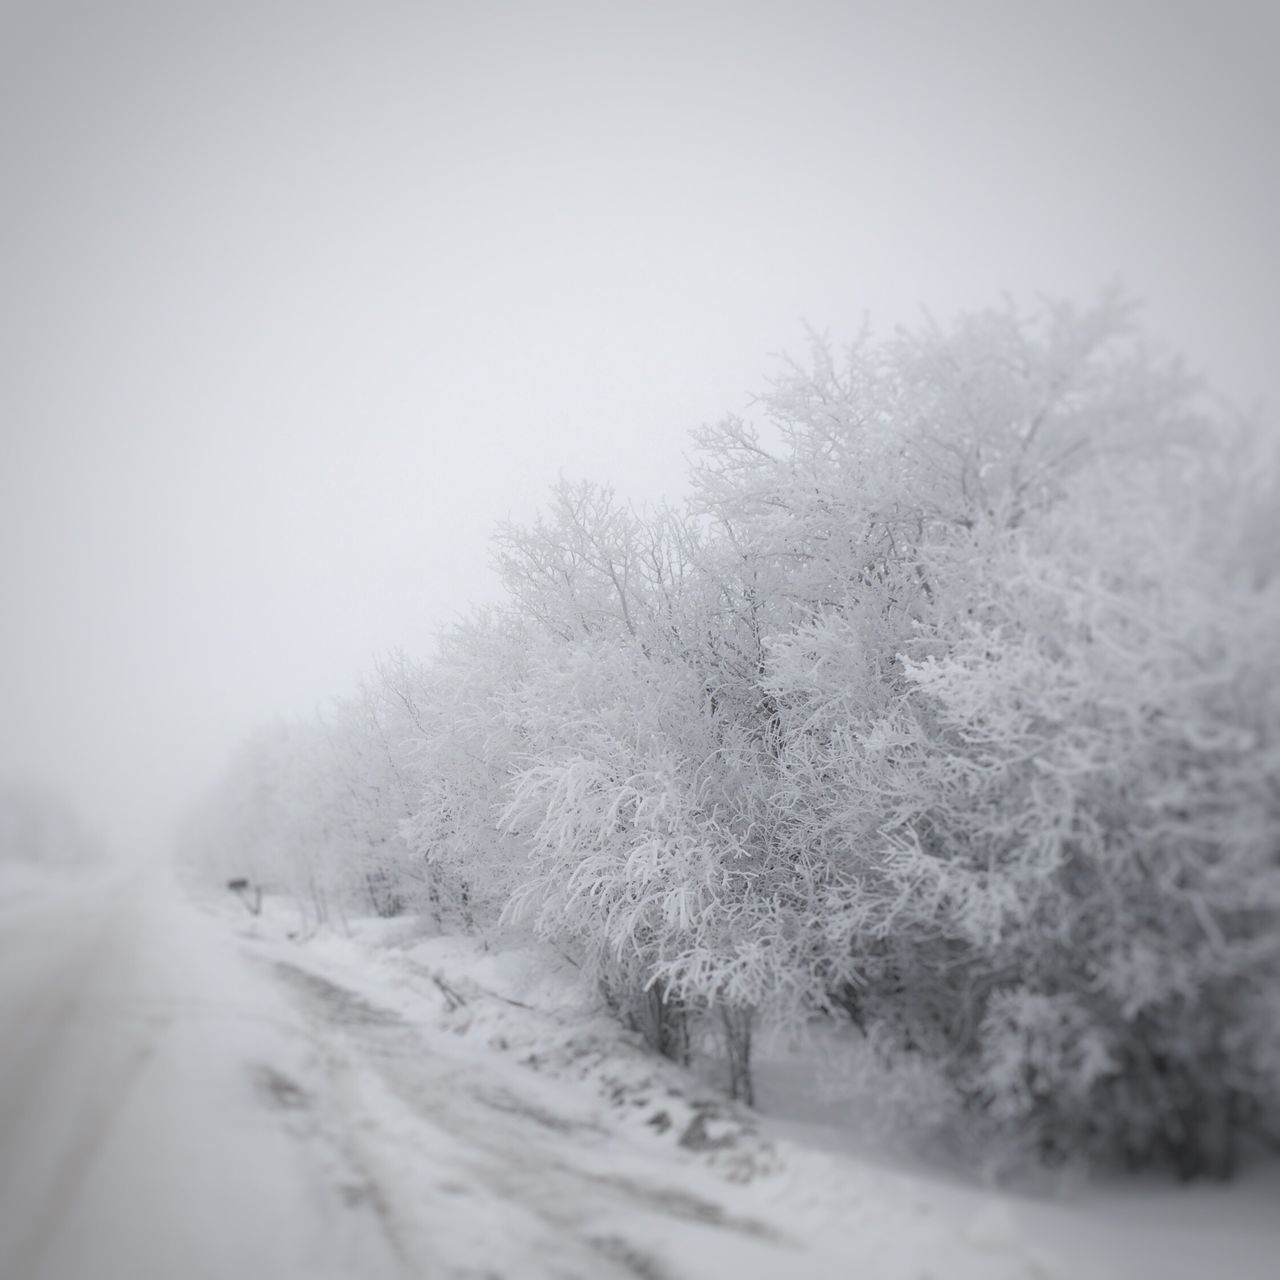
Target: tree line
947, 705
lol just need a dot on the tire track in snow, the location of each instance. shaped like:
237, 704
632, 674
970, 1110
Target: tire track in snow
519, 1152
37, 1023
79, 1046
74, 1165
357, 1187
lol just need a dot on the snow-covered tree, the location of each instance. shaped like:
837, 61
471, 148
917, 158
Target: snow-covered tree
462, 759
1027, 726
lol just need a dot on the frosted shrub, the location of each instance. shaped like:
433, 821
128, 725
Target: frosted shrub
1030, 722
1040, 1058
633, 861
1100, 833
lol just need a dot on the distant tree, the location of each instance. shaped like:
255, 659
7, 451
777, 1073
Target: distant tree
39, 826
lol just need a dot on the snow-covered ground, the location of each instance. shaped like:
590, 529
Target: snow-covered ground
186, 1091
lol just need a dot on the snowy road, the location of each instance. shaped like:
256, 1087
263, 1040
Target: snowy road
130, 1140
174, 1105
176, 1101
181, 1099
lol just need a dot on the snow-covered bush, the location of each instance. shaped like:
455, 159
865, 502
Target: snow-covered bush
1103, 738
639, 857
1026, 720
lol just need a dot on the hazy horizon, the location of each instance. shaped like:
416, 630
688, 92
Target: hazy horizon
301, 300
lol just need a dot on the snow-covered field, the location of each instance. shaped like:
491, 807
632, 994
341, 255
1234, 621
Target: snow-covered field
186, 1091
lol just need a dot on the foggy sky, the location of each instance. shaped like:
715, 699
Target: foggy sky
299, 299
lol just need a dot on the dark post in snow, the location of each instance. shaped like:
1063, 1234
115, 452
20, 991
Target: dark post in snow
250, 895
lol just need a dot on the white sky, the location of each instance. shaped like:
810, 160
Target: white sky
298, 299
